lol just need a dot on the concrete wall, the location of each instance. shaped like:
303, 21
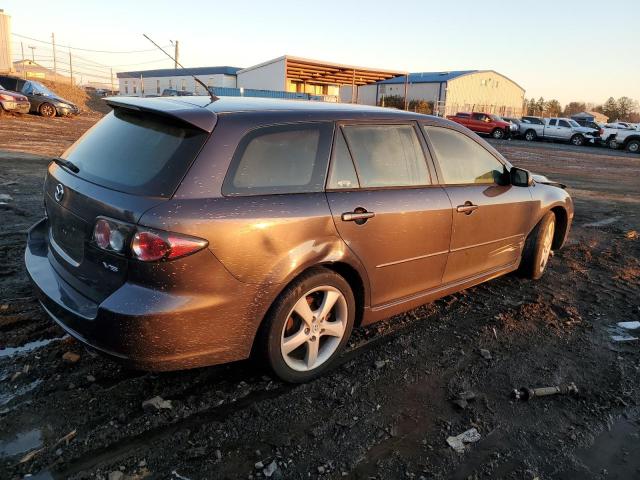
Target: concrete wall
266, 76
487, 92
155, 85
5, 43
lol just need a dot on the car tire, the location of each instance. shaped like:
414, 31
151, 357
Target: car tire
47, 110
294, 334
633, 146
577, 140
498, 133
537, 248
530, 135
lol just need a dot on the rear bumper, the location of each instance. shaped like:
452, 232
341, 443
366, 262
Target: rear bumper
149, 328
18, 107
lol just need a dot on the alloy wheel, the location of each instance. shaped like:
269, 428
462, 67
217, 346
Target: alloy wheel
314, 328
547, 240
47, 110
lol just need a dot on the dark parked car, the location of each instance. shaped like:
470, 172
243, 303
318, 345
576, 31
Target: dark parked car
13, 102
185, 232
43, 101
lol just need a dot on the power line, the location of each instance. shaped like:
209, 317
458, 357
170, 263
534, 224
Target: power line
87, 49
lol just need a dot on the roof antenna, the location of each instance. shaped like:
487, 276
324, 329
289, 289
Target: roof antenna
211, 94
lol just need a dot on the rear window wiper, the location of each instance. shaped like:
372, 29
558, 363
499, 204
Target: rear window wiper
66, 164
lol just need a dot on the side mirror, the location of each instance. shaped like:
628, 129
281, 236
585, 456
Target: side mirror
520, 177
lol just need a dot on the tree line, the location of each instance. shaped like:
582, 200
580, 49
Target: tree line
623, 109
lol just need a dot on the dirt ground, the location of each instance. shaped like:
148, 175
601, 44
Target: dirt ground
387, 409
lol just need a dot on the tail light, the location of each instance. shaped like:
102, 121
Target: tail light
143, 244
8, 98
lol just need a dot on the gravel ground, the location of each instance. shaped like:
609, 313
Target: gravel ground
387, 409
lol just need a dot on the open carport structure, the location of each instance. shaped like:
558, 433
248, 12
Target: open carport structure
295, 74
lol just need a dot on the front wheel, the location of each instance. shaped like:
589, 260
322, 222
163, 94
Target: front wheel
47, 110
577, 140
633, 146
537, 248
308, 325
498, 133
530, 135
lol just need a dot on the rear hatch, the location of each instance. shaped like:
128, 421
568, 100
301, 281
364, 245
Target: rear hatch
129, 162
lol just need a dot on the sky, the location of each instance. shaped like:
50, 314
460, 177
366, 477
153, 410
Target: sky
568, 50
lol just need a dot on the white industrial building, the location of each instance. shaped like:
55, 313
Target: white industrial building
147, 83
292, 75
450, 92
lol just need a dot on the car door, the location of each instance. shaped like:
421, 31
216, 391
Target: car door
490, 217
480, 123
564, 130
386, 208
552, 128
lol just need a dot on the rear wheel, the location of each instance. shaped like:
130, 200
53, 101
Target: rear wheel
498, 133
308, 325
537, 248
47, 110
530, 135
577, 140
633, 146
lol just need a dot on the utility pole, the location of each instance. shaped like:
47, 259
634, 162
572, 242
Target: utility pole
111, 81
33, 57
70, 69
24, 69
53, 42
175, 56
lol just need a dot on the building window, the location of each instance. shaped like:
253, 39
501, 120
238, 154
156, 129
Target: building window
183, 85
135, 88
126, 87
170, 84
158, 87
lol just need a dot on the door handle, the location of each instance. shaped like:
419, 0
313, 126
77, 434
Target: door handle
359, 215
468, 208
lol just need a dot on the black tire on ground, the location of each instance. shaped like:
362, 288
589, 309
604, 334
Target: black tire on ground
533, 263
633, 146
497, 133
577, 140
530, 135
47, 110
271, 332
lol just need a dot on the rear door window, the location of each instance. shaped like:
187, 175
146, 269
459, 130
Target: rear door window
280, 159
462, 160
343, 173
140, 154
387, 155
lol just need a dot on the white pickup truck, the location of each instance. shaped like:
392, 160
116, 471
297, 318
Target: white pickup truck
629, 139
564, 129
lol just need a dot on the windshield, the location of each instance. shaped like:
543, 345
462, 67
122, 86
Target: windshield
34, 88
136, 153
573, 123
495, 118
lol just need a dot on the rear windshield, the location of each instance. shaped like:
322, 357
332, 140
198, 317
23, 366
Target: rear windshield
136, 153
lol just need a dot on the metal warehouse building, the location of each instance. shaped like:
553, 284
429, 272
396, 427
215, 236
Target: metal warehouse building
464, 90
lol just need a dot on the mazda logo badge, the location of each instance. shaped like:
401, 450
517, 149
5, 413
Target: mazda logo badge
59, 192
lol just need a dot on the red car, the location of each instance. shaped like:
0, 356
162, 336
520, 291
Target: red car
486, 123
13, 101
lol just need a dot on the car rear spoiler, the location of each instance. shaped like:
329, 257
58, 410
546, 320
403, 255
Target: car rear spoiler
199, 117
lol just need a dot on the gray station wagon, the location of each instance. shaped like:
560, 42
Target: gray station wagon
182, 232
